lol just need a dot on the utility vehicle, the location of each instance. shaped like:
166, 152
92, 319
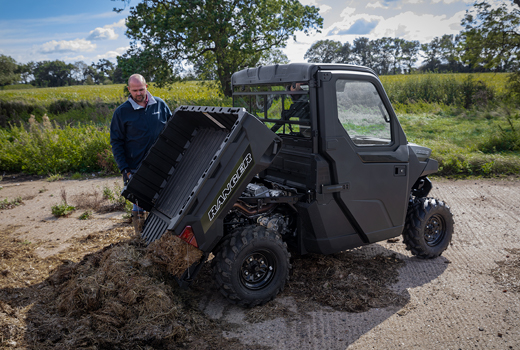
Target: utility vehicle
311, 158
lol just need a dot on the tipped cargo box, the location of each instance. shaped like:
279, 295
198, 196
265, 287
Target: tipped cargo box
197, 168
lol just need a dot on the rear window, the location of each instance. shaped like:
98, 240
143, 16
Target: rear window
285, 109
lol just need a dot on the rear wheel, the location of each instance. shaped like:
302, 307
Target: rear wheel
429, 227
251, 266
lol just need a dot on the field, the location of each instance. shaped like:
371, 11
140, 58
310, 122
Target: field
469, 120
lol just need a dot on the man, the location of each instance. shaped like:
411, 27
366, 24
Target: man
135, 126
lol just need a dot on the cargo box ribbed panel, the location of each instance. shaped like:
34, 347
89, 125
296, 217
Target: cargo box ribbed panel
189, 170
154, 228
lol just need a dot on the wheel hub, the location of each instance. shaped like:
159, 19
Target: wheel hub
435, 230
257, 270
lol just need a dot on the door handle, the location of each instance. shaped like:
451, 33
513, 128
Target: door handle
335, 188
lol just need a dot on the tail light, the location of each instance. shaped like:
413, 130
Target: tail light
188, 236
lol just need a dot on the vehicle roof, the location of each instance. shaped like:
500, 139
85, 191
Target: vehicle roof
288, 73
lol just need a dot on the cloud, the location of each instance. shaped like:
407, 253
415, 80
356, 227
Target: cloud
424, 28
452, 1
324, 9
63, 46
112, 54
376, 5
106, 32
353, 24
102, 34
360, 27
347, 12
74, 58
119, 24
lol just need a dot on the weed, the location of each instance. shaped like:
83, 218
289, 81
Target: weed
39, 149
55, 177
10, 204
506, 138
76, 176
62, 209
106, 201
108, 194
89, 200
42, 190
86, 215
63, 195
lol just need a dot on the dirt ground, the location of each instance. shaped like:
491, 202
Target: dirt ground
374, 297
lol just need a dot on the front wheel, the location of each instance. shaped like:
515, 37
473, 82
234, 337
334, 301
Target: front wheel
429, 227
251, 266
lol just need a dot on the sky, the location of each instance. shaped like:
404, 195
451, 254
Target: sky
88, 30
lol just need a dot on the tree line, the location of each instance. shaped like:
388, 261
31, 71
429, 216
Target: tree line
58, 73
393, 55
220, 37
489, 42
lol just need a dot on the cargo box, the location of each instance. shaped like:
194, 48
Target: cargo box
197, 168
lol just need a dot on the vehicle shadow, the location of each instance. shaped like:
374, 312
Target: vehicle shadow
330, 301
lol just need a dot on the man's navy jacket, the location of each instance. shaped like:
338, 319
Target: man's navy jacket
134, 129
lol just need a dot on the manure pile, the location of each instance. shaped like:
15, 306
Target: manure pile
120, 297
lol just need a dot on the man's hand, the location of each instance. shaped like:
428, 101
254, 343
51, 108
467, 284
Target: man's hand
126, 176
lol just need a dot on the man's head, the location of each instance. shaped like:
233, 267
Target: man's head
138, 88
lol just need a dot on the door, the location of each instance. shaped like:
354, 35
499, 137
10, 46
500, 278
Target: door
367, 152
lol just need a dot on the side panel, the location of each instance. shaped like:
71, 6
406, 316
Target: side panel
319, 223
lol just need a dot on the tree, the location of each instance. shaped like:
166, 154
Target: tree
26, 71
8, 69
235, 33
104, 71
491, 36
410, 53
78, 73
432, 54
149, 64
381, 51
328, 51
449, 54
273, 56
205, 68
362, 52
53, 73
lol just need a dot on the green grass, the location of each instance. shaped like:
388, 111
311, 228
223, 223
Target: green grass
182, 91
467, 145
70, 105
47, 149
